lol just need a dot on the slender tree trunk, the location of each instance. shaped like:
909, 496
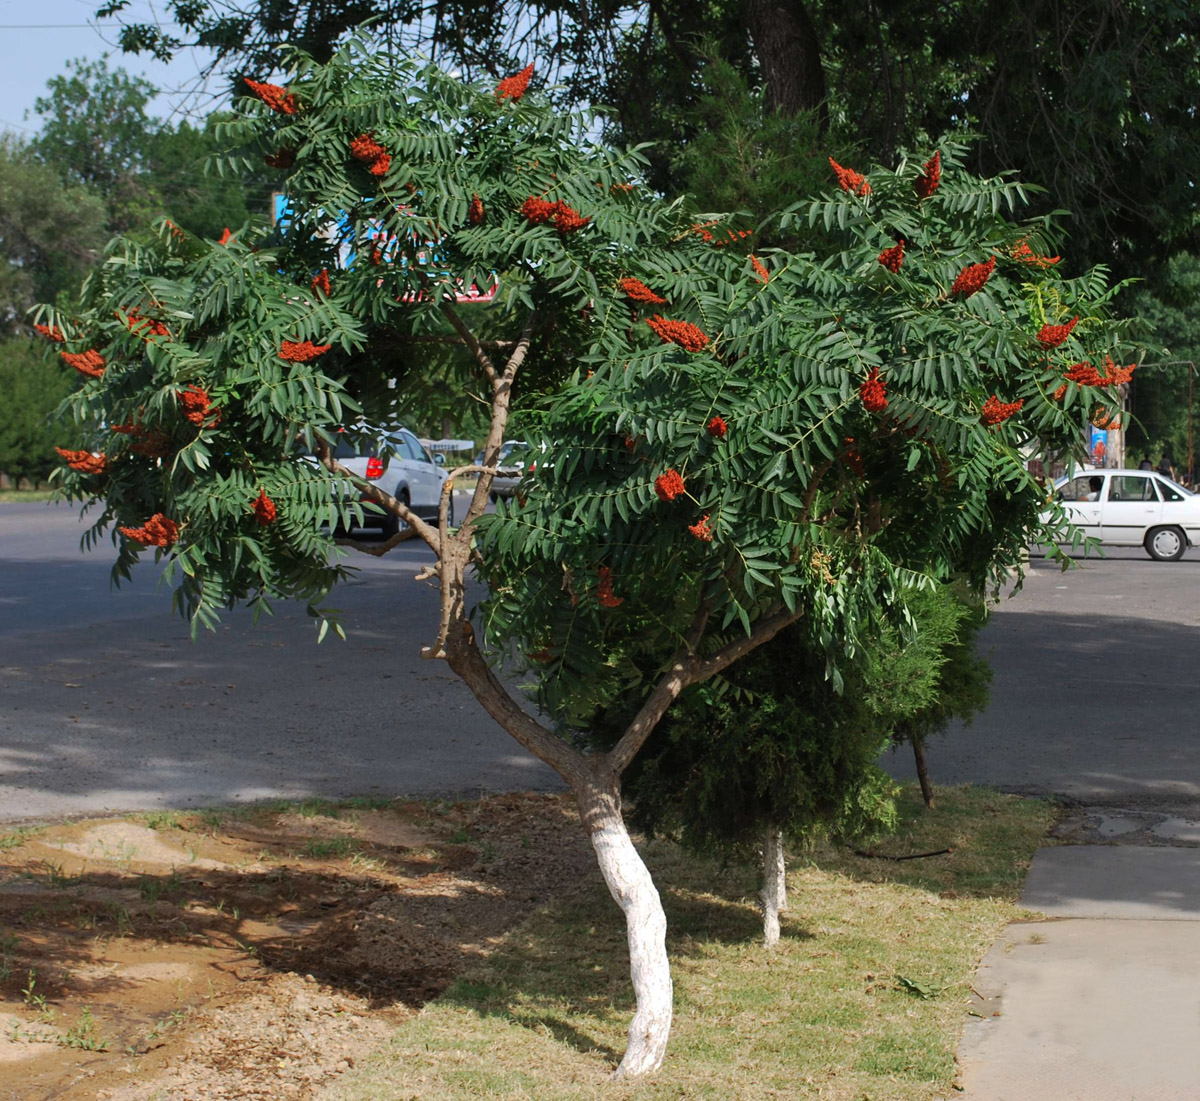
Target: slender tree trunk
774, 889
922, 771
630, 884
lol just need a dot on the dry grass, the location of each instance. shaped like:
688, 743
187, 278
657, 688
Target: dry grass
865, 997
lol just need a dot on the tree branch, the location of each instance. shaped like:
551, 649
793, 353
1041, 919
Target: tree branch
466, 660
469, 339
687, 669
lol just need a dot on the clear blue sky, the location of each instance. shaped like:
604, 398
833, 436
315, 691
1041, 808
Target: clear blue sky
38, 38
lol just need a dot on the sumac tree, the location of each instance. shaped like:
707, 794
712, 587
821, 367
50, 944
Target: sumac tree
732, 442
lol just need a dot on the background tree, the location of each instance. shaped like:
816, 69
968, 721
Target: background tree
1092, 100
49, 235
96, 134
1162, 398
32, 384
743, 442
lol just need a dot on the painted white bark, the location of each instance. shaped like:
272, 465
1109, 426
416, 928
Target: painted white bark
774, 891
630, 884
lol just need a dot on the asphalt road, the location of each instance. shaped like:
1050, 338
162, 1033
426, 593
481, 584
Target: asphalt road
1096, 690
106, 704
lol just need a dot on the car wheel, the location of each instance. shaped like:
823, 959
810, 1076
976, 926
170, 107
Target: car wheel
450, 511
1165, 544
494, 496
392, 524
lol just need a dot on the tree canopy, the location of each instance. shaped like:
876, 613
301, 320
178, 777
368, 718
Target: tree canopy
1094, 100
734, 442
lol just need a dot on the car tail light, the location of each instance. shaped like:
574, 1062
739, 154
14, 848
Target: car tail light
374, 467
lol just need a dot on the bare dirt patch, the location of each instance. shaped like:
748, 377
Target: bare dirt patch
253, 955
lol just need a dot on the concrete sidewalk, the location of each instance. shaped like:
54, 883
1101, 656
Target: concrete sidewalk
1100, 1001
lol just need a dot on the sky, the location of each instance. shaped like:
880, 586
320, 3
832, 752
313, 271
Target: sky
38, 38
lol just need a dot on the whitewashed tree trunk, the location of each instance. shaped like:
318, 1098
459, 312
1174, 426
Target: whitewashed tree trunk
774, 889
630, 884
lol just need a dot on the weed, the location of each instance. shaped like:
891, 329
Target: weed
487, 854
36, 1001
120, 917
460, 836
172, 1020
329, 846
212, 819
84, 1035
152, 888
162, 819
56, 878
362, 862
19, 836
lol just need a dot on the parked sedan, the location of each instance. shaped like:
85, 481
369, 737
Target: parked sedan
395, 459
1132, 508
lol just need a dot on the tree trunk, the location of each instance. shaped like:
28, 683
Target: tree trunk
922, 771
789, 55
630, 884
774, 889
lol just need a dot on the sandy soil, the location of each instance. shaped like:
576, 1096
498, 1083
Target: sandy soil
252, 954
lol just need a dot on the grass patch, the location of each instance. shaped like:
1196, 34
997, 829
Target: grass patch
865, 997
15, 496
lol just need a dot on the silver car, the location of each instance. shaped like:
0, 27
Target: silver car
1132, 508
395, 459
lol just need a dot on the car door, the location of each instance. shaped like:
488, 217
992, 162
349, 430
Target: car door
1080, 499
1131, 507
424, 485
1180, 508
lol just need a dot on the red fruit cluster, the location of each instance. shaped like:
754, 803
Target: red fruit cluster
701, 530
90, 363
541, 212
158, 531
84, 461
1051, 336
226, 237
283, 159
278, 99
639, 292
972, 278
197, 407
668, 486
717, 427
1023, 253
366, 149
145, 327
995, 410
760, 269
731, 237
1087, 375
321, 282
301, 351
264, 509
604, 590
683, 333
51, 332
513, 87
873, 392
927, 182
475, 212
892, 258
849, 180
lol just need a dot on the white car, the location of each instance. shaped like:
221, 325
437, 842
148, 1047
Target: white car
395, 459
1132, 508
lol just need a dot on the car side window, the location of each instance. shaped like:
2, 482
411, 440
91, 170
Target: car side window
1169, 493
1132, 488
413, 450
1078, 489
